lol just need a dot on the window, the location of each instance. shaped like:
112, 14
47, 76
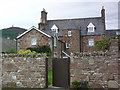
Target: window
91, 42
67, 45
33, 41
69, 33
91, 28
54, 28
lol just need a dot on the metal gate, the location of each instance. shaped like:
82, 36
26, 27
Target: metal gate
61, 73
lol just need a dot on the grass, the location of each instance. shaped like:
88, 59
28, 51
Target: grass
49, 77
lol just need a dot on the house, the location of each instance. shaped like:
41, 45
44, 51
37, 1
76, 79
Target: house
34, 37
79, 34
64, 36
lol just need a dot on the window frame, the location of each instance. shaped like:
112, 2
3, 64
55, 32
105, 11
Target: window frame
91, 40
33, 41
67, 45
91, 25
69, 33
91, 30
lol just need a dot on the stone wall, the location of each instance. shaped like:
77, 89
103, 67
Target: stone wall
85, 45
101, 69
73, 40
24, 71
24, 42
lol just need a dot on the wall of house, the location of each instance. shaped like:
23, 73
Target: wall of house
25, 41
22, 70
101, 69
59, 48
74, 40
85, 46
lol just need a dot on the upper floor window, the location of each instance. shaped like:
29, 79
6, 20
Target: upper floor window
33, 41
91, 42
91, 28
69, 33
54, 28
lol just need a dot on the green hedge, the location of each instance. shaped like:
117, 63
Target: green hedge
41, 49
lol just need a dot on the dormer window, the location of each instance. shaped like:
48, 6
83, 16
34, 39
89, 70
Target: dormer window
91, 28
54, 28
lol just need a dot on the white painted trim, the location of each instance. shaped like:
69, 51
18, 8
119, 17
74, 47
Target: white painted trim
66, 54
33, 27
91, 25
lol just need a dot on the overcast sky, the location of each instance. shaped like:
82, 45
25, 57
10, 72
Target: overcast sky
26, 13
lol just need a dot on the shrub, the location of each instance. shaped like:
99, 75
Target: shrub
41, 49
13, 50
26, 52
102, 45
81, 84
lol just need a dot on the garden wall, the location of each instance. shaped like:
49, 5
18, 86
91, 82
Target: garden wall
22, 70
101, 69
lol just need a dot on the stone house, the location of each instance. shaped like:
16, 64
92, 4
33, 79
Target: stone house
79, 34
34, 37
65, 35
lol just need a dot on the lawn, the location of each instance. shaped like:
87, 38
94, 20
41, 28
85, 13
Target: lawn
49, 77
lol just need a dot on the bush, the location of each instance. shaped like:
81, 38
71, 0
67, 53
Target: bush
76, 84
41, 49
102, 45
13, 50
81, 84
26, 52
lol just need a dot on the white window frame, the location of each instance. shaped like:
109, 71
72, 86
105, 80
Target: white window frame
67, 45
91, 42
91, 28
33, 41
54, 28
69, 33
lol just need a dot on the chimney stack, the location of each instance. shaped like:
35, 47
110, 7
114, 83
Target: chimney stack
103, 12
43, 20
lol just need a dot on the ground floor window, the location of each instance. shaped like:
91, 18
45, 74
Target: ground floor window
90, 42
34, 41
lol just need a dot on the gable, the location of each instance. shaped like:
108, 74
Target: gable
29, 30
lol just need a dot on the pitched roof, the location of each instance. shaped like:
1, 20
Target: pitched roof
111, 32
79, 23
33, 27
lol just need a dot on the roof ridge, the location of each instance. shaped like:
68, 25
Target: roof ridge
74, 19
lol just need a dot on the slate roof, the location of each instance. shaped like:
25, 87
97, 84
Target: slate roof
78, 23
111, 32
32, 28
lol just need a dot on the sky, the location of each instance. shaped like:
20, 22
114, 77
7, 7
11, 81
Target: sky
27, 13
